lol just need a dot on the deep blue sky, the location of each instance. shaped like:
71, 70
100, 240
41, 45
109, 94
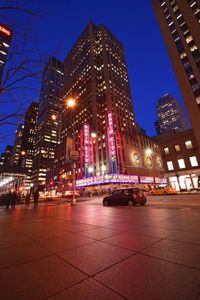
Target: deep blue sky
133, 23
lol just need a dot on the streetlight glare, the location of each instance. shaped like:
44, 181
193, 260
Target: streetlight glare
71, 102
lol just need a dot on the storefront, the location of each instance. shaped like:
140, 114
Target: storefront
184, 181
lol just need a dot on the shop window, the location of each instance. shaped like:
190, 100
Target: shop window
181, 163
166, 150
177, 148
188, 145
193, 161
170, 165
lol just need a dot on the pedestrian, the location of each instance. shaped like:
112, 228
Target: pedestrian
8, 199
27, 199
36, 198
14, 199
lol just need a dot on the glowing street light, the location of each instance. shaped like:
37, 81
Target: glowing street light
23, 152
90, 169
71, 102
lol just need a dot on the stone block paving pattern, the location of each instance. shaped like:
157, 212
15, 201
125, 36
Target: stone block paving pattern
89, 252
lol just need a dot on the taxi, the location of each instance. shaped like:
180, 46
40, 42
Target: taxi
163, 191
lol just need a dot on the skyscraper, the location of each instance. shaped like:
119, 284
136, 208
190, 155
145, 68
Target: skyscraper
5, 40
49, 119
171, 116
28, 140
103, 124
180, 25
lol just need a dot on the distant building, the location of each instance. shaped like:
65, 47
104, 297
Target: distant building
16, 151
171, 116
181, 159
179, 21
28, 140
5, 40
5, 158
49, 119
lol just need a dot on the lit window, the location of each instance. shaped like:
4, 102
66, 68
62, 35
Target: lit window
189, 39
166, 150
188, 145
181, 163
193, 161
177, 148
170, 165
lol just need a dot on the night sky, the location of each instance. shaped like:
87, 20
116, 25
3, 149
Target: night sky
132, 22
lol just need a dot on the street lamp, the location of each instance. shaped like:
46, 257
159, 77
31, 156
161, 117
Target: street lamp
71, 103
53, 117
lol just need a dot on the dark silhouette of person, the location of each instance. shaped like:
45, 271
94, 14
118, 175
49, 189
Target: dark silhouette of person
36, 198
27, 199
14, 199
8, 199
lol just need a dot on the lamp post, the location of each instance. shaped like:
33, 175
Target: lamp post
71, 103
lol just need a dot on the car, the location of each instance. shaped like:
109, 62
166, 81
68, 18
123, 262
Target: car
69, 194
163, 191
128, 196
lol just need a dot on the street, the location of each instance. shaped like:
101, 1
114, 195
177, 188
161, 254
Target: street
93, 252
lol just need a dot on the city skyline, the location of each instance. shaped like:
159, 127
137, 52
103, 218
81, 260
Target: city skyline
141, 88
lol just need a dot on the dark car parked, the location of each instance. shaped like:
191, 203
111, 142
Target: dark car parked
129, 196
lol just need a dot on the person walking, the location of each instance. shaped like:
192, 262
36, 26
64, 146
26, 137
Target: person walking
14, 199
36, 198
27, 199
8, 199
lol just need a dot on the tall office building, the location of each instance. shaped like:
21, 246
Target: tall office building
16, 151
171, 116
106, 135
28, 140
5, 158
180, 25
49, 119
5, 40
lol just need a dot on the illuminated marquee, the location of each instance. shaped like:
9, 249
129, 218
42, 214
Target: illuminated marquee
111, 143
5, 30
86, 133
160, 180
146, 179
102, 179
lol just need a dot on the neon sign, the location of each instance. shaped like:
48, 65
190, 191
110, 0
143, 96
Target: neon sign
146, 179
160, 180
86, 133
111, 143
102, 179
5, 30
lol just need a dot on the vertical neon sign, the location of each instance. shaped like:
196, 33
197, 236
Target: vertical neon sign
87, 161
111, 144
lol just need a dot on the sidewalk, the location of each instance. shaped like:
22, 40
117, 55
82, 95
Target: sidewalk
90, 252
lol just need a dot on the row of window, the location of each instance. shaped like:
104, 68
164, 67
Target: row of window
188, 145
181, 163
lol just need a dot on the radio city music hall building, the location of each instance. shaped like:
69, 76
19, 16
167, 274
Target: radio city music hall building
111, 146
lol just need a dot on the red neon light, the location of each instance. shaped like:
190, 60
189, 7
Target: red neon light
5, 30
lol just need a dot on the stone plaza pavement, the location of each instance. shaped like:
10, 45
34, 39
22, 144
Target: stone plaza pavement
93, 252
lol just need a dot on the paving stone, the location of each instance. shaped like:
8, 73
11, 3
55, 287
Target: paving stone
38, 279
20, 254
185, 236
63, 243
131, 241
87, 290
178, 252
146, 278
100, 233
95, 257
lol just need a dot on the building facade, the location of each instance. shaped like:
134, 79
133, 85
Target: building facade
181, 159
17, 148
5, 40
49, 119
179, 22
171, 116
6, 157
28, 140
102, 123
